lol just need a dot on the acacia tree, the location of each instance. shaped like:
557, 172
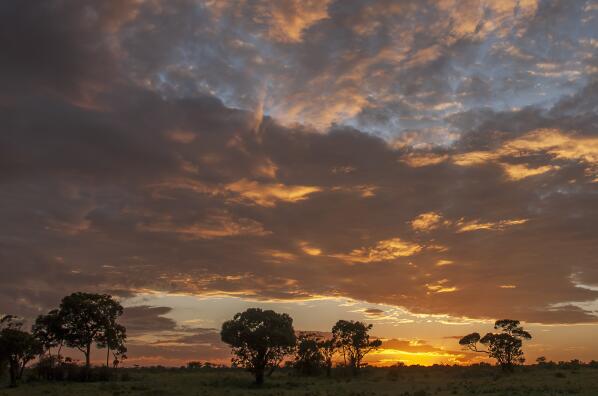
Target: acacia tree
49, 332
17, 347
353, 339
308, 356
88, 318
259, 340
504, 346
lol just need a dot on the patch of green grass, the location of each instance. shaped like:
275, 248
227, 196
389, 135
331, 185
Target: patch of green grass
407, 381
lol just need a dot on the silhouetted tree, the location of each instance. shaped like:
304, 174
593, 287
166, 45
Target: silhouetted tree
353, 339
113, 338
328, 348
308, 356
504, 346
194, 365
17, 347
259, 340
49, 332
87, 318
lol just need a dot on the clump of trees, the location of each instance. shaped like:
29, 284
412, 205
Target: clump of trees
87, 318
309, 359
260, 340
82, 320
505, 346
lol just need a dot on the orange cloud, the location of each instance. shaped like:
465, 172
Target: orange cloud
427, 222
388, 249
270, 194
569, 147
288, 20
218, 225
441, 287
475, 225
518, 172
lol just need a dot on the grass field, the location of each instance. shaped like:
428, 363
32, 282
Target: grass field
413, 381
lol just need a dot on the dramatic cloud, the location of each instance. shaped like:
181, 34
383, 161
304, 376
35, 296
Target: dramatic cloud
444, 162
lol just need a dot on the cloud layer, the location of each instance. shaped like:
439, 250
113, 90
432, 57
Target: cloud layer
442, 161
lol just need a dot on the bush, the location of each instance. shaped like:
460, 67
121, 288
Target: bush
52, 368
48, 368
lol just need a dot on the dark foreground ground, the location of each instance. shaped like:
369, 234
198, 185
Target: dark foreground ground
413, 381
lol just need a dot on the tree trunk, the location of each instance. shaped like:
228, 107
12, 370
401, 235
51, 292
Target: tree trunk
328, 369
259, 377
87, 355
107, 356
354, 366
22, 368
13, 374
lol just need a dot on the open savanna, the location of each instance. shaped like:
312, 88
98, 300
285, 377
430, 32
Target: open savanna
413, 381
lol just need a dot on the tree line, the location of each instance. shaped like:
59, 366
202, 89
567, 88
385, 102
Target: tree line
260, 340
81, 320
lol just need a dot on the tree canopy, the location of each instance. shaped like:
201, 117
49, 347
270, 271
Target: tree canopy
17, 347
504, 346
259, 339
88, 318
308, 356
48, 330
354, 341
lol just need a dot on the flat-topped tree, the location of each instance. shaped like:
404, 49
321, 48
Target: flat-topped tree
259, 340
505, 346
86, 319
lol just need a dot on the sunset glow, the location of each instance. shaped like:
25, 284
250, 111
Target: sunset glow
425, 166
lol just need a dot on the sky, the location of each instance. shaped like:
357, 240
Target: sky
424, 166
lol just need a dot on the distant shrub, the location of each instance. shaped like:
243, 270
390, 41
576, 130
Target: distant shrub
194, 365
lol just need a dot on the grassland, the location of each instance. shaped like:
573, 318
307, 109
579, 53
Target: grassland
413, 381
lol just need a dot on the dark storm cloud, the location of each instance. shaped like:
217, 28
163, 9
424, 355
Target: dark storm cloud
123, 168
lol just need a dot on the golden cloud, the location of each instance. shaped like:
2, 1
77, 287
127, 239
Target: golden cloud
388, 249
417, 160
364, 190
475, 225
217, 225
441, 287
269, 194
310, 250
427, 222
287, 20
518, 172
553, 142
